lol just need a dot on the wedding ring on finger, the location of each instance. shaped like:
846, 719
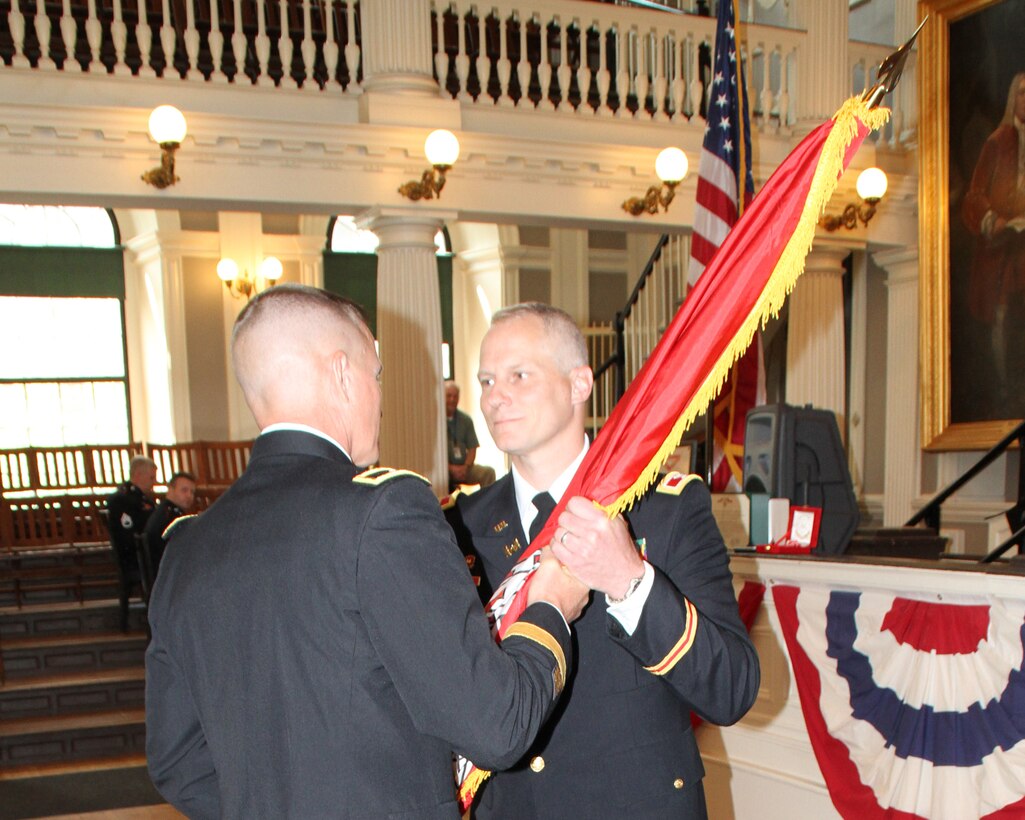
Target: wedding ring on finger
562, 539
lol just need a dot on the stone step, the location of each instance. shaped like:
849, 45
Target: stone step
101, 615
49, 655
55, 575
64, 738
70, 693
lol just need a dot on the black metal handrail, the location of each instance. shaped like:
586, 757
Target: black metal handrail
618, 357
930, 513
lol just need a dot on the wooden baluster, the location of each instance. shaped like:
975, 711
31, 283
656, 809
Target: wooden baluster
284, 40
523, 68
504, 65
622, 74
641, 79
330, 42
42, 28
309, 47
583, 70
462, 58
482, 64
238, 39
544, 69
215, 39
694, 87
16, 23
564, 72
783, 100
191, 34
352, 50
144, 35
604, 75
93, 31
168, 38
119, 37
69, 33
660, 72
440, 56
679, 85
263, 44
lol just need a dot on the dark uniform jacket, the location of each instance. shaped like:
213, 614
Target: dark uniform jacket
620, 744
164, 513
319, 650
128, 510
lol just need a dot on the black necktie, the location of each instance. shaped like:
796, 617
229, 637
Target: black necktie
545, 504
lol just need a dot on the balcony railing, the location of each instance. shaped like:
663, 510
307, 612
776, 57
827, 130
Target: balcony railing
579, 59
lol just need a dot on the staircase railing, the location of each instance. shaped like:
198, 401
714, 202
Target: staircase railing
642, 320
930, 513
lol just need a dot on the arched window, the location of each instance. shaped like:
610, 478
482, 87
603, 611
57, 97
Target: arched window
47, 226
62, 318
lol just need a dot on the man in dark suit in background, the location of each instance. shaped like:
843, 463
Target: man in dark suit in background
664, 639
318, 647
181, 495
128, 509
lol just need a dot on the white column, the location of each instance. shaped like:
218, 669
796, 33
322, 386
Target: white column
902, 469
824, 79
816, 364
165, 406
241, 238
569, 272
409, 334
396, 38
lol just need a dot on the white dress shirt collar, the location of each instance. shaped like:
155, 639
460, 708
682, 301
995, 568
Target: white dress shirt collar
303, 428
525, 492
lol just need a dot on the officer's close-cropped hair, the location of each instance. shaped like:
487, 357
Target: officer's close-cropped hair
558, 324
291, 296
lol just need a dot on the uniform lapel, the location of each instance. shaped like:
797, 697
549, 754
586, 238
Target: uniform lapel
501, 540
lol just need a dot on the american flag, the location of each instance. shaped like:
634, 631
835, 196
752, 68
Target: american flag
725, 151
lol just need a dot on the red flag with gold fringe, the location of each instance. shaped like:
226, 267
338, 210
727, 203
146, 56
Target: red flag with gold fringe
746, 282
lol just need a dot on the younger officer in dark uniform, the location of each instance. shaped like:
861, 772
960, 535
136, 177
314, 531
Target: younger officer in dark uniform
128, 510
318, 648
664, 639
181, 495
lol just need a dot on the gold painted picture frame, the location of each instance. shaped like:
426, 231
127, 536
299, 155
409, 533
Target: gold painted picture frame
938, 432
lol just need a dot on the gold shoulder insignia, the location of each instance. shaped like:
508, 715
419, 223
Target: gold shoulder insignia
674, 482
449, 501
167, 530
376, 476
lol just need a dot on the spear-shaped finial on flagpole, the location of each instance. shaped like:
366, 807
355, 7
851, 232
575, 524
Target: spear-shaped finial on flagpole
890, 70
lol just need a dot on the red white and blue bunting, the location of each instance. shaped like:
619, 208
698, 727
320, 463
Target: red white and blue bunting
915, 708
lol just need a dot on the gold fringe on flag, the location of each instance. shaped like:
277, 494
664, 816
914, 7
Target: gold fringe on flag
779, 285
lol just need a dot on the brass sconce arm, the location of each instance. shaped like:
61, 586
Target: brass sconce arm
851, 216
163, 175
653, 197
428, 186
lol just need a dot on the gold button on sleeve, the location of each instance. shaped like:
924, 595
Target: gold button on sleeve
537, 763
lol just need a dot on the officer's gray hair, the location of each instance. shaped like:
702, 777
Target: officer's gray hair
138, 462
294, 296
570, 349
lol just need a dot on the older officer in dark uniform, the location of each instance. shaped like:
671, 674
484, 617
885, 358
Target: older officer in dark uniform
664, 639
128, 510
318, 647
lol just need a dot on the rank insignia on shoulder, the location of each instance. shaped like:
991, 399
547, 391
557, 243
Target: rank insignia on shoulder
167, 530
674, 482
376, 476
